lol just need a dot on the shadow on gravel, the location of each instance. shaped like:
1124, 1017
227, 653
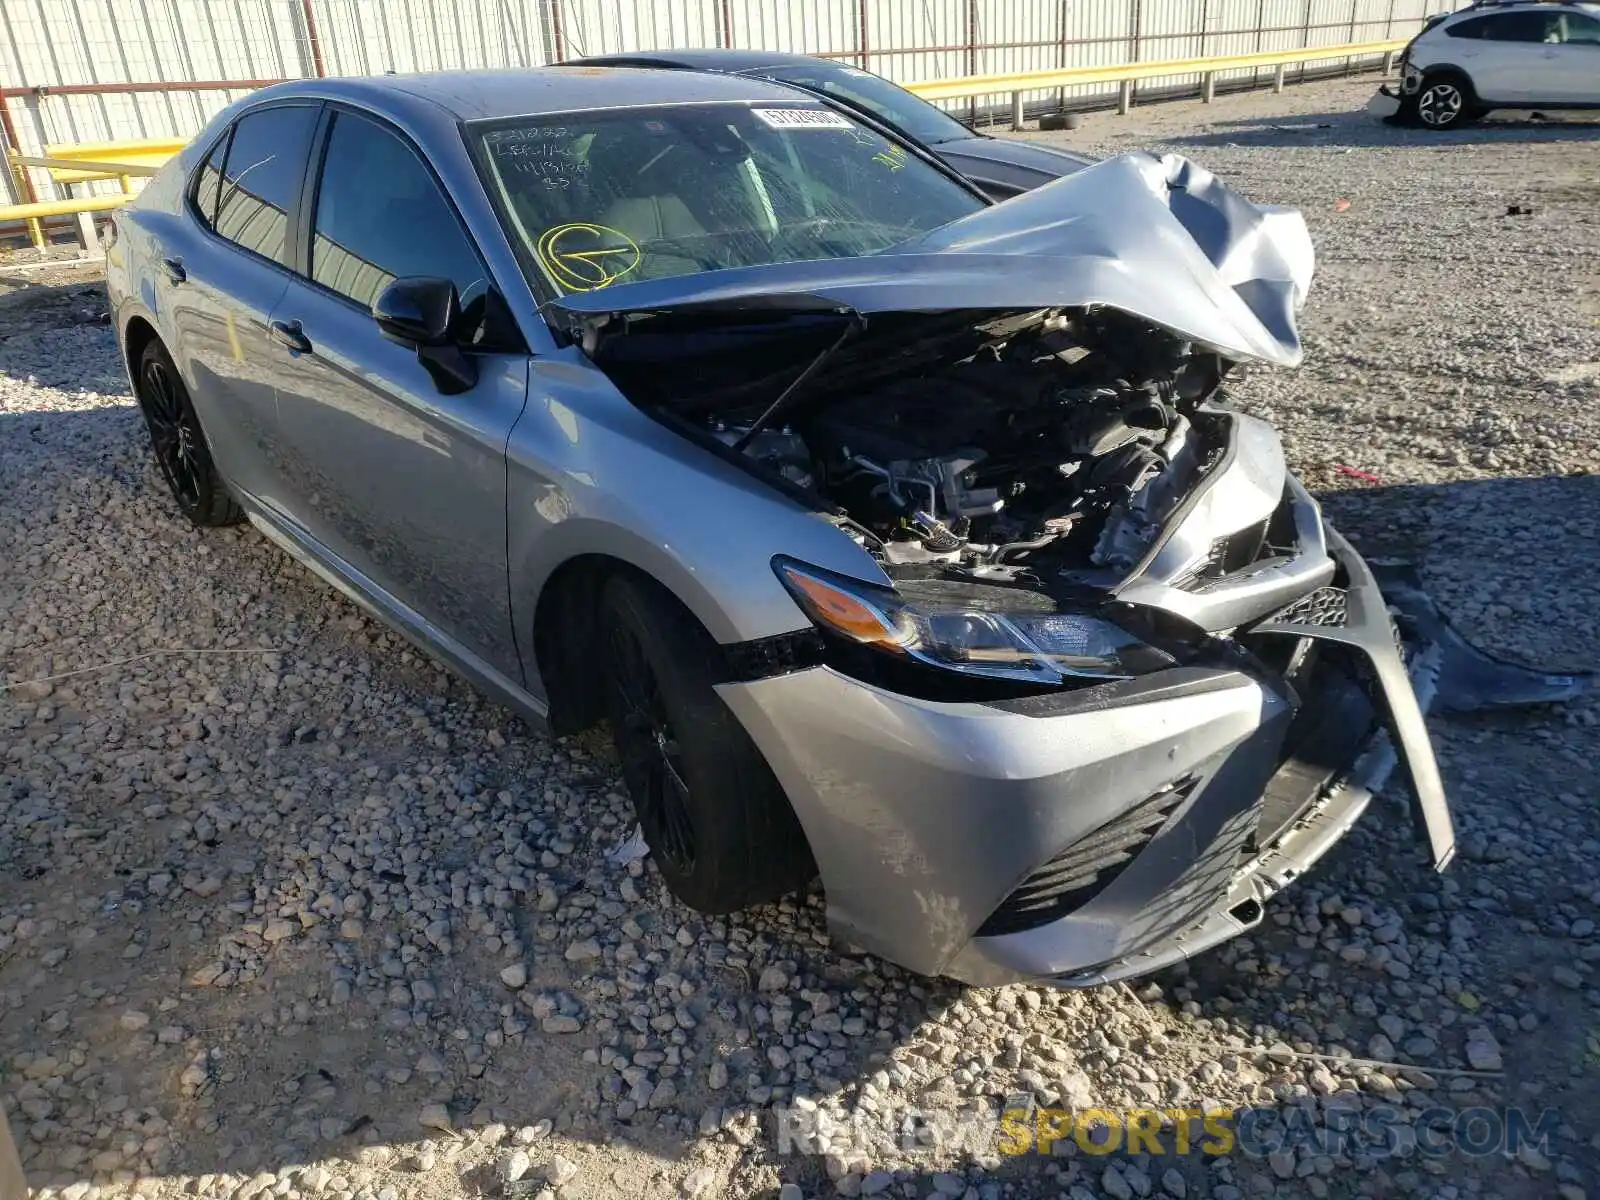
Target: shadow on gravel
332, 1048
29, 305
1361, 130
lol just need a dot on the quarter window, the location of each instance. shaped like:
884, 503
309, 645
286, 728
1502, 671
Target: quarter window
266, 159
209, 183
1579, 28
380, 216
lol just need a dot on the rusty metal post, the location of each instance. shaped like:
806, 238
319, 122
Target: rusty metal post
11, 144
1305, 39
557, 35
313, 39
1061, 93
1136, 50
972, 56
863, 40
725, 25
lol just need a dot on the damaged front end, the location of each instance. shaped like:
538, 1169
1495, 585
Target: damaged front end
1020, 419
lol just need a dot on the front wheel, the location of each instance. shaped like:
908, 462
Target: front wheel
1443, 103
716, 820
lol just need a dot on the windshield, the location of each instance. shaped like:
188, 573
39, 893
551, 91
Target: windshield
634, 194
893, 105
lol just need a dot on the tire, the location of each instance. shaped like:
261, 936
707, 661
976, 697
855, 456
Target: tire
179, 445
718, 824
1443, 102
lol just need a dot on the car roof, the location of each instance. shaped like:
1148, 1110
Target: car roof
1480, 7
709, 59
534, 91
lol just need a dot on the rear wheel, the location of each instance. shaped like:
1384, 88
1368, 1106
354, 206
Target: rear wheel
716, 819
179, 445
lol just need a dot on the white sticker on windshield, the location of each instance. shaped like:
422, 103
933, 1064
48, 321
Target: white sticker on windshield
802, 118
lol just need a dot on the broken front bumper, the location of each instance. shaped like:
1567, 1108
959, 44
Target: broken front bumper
940, 829
1385, 102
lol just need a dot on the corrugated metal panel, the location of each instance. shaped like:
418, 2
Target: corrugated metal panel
63, 42
818, 27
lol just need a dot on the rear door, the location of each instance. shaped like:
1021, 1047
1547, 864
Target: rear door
405, 484
223, 278
1576, 78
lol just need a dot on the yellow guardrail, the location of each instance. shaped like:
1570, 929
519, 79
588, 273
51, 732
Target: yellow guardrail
122, 161
88, 162
1127, 74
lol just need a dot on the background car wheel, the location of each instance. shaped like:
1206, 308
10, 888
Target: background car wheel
718, 824
1444, 102
180, 447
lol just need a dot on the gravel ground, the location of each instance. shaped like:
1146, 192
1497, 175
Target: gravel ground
292, 911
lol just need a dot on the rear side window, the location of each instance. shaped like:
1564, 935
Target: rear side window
261, 181
208, 184
1579, 28
381, 216
1519, 27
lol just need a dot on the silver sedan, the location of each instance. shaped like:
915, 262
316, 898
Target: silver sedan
902, 538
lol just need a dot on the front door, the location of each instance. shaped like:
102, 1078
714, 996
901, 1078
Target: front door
405, 484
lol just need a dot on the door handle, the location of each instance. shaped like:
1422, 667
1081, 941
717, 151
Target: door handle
291, 335
172, 268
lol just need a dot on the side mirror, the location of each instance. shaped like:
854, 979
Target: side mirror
418, 310
425, 312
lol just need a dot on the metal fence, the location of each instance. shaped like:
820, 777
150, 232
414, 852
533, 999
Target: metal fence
74, 71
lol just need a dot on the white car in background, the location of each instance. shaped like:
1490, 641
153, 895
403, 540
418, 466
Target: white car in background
1497, 54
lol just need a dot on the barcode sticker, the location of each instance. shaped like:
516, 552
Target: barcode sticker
802, 118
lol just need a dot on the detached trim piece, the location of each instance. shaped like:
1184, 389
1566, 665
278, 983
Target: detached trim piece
781, 654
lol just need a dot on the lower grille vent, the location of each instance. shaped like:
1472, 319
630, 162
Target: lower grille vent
1084, 869
1325, 606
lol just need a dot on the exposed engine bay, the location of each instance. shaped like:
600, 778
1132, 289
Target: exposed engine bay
1062, 444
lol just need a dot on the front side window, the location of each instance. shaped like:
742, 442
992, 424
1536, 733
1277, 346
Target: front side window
265, 163
601, 198
893, 105
1475, 28
381, 216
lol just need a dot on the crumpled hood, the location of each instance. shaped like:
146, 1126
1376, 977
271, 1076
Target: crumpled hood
1153, 236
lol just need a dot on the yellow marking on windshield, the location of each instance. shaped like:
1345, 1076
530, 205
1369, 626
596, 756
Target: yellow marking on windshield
585, 258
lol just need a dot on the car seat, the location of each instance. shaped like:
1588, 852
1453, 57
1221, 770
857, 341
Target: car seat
629, 176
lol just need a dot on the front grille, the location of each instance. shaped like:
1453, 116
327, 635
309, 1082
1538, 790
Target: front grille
1084, 869
1325, 606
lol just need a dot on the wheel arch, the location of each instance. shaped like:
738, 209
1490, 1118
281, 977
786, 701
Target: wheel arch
137, 334
1452, 72
565, 634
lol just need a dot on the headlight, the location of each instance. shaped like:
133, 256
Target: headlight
1016, 644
